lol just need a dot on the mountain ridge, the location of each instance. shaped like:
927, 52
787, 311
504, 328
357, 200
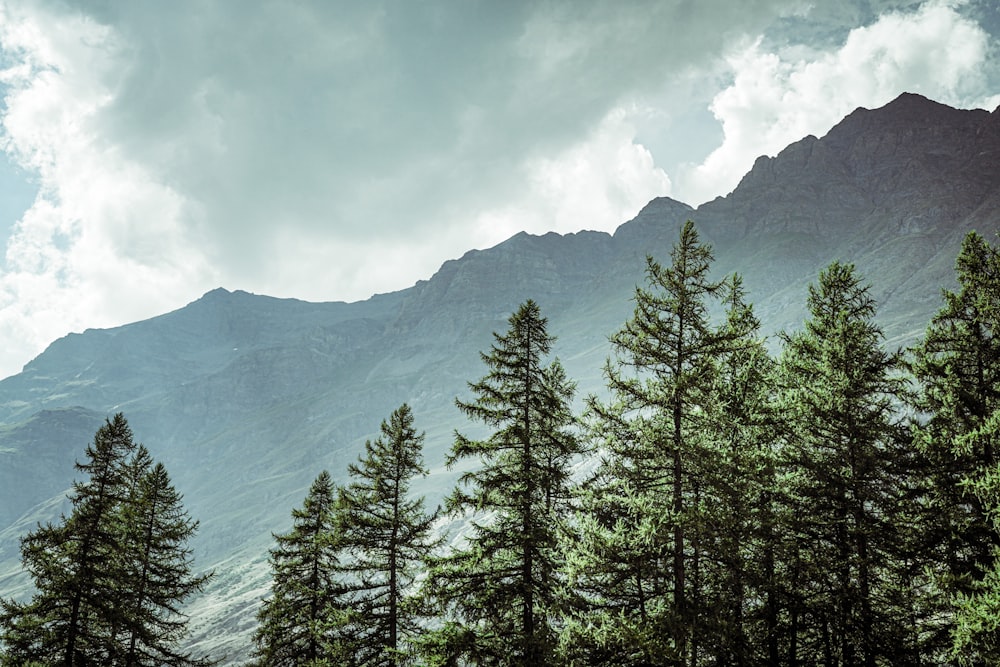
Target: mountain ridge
246, 398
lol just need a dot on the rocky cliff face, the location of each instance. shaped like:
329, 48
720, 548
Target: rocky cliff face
913, 161
893, 190
246, 398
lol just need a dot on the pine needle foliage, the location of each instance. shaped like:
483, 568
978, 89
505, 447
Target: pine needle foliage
842, 486
387, 534
303, 623
957, 368
639, 561
497, 587
111, 577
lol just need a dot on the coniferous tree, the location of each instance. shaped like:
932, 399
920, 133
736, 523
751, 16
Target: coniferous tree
957, 367
302, 624
617, 607
841, 392
639, 559
388, 535
133, 471
67, 621
88, 608
976, 633
739, 607
158, 574
497, 589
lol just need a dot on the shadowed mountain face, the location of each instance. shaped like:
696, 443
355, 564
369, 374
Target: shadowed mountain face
246, 398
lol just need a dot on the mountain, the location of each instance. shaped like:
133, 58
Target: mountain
246, 398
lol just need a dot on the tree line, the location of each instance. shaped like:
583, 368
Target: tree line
833, 504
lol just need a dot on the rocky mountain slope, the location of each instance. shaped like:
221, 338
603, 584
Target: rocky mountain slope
246, 398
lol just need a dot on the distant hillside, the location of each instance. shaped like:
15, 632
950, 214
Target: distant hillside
246, 398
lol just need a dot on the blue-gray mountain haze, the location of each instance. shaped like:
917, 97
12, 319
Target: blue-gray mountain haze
246, 398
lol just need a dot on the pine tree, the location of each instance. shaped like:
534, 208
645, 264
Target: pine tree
976, 631
739, 607
640, 555
498, 589
841, 391
957, 366
388, 534
158, 574
109, 578
617, 610
301, 624
73, 564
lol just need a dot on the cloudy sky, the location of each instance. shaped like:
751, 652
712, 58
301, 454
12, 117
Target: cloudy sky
329, 150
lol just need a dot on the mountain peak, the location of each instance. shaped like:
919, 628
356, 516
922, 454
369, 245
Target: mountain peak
889, 158
909, 110
908, 102
651, 215
217, 293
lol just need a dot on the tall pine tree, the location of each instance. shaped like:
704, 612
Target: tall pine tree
640, 555
388, 535
841, 392
957, 367
159, 573
497, 588
739, 606
110, 578
303, 623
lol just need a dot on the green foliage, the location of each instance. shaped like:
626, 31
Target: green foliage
160, 574
957, 366
842, 489
110, 578
343, 588
738, 601
498, 588
638, 562
388, 534
304, 621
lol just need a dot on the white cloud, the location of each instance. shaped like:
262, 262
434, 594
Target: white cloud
775, 100
103, 242
596, 184
322, 149
167, 167
332, 149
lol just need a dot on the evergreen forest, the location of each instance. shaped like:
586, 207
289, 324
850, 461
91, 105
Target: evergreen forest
728, 501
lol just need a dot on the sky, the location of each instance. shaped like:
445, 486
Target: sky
330, 150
